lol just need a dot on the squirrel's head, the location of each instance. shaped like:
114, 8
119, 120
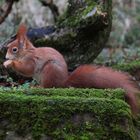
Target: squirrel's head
20, 45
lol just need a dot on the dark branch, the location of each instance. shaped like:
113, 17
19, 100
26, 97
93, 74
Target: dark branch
5, 9
52, 6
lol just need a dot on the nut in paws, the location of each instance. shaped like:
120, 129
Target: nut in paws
7, 63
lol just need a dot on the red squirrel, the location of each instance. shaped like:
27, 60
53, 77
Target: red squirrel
49, 68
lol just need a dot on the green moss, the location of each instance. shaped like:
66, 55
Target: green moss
58, 116
131, 66
69, 92
80, 16
62, 43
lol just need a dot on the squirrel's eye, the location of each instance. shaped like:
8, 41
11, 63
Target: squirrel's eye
14, 50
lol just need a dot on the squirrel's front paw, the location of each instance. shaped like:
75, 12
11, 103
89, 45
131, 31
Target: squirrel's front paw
7, 63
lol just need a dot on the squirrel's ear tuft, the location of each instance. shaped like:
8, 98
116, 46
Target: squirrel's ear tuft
21, 34
22, 30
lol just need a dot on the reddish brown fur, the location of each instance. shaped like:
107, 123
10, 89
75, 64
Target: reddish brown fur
89, 76
45, 64
49, 68
21, 34
55, 74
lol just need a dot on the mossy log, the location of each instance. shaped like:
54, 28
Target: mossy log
70, 114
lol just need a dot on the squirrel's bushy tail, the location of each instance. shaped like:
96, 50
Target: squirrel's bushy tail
131, 96
89, 76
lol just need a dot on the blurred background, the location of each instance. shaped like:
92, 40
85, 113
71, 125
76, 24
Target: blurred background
122, 46
124, 42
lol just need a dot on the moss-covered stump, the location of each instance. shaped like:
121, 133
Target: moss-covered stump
82, 31
69, 114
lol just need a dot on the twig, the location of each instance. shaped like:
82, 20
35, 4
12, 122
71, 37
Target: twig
5, 9
52, 7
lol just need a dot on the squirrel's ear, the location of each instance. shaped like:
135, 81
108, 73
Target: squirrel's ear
22, 30
21, 35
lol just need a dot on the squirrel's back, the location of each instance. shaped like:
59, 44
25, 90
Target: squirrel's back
51, 69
